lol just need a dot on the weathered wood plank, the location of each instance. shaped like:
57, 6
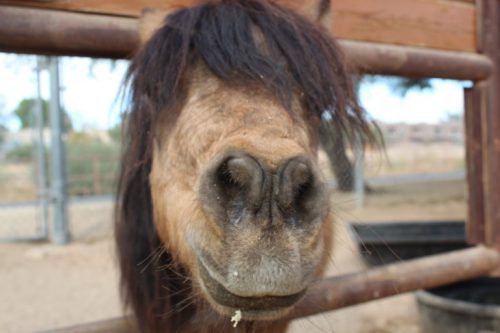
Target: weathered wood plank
440, 24
474, 102
134, 7
446, 25
490, 35
121, 8
316, 10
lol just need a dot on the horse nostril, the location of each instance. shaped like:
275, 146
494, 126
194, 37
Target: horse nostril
241, 175
294, 179
233, 186
300, 193
297, 174
239, 188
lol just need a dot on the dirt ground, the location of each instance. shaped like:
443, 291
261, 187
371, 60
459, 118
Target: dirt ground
43, 286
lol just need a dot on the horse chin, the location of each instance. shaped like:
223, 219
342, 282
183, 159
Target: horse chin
226, 303
251, 315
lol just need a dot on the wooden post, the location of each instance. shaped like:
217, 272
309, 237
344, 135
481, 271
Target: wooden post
489, 27
474, 110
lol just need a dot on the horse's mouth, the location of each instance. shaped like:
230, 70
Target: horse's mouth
253, 306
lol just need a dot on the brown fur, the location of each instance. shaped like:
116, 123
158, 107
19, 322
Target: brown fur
219, 183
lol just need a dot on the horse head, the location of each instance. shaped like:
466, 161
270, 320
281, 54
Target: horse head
222, 206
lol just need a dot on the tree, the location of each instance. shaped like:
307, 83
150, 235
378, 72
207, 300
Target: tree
115, 132
25, 114
3, 127
3, 132
404, 84
335, 145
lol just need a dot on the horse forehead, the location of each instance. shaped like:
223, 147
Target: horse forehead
258, 125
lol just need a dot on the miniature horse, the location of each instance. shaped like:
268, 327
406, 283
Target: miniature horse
221, 206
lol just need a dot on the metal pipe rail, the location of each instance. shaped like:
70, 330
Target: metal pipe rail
429, 272
27, 30
342, 291
52, 32
415, 62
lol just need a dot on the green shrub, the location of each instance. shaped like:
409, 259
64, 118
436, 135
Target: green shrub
20, 153
91, 167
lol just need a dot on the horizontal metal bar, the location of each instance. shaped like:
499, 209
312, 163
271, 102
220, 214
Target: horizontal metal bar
27, 239
346, 290
411, 178
114, 325
432, 271
27, 30
415, 62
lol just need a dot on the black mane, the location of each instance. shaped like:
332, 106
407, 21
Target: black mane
293, 57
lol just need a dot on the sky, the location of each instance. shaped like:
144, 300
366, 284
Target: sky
90, 91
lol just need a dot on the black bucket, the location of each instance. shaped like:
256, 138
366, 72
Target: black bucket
466, 307
384, 243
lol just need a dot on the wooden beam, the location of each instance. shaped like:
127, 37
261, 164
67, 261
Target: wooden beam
130, 8
474, 111
316, 10
133, 8
439, 24
445, 25
490, 45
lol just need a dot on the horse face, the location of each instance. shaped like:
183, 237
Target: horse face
238, 197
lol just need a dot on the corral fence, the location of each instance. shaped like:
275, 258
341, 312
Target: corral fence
478, 60
51, 177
